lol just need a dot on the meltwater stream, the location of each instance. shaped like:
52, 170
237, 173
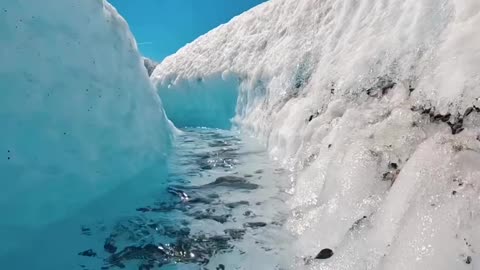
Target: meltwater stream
222, 206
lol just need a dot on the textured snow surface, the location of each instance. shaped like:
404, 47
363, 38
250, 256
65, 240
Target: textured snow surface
78, 113
354, 97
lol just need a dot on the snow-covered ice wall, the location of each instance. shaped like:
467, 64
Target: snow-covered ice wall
78, 113
375, 105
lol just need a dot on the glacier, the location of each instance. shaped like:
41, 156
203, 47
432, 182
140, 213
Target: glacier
80, 117
373, 105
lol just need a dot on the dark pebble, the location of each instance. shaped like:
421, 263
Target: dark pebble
324, 254
221, 267
236, 204
88, 253
254, 225
393, 165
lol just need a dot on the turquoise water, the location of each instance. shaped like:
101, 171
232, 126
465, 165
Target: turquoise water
222, 204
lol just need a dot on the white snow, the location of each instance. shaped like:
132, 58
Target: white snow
312, 73
78, 113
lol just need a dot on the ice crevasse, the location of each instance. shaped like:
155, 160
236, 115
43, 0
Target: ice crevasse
375, 105
78, 113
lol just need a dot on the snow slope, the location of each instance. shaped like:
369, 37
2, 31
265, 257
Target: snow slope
79, 115
375, 106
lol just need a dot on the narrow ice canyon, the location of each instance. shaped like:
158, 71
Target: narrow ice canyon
302, 134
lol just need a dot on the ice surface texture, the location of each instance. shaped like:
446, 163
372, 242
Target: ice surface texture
77, 110
375, 104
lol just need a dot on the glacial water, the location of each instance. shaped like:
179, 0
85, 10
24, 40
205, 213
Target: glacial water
221, 206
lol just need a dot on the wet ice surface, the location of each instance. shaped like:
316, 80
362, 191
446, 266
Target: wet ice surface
223, 207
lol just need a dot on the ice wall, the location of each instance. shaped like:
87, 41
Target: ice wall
201, 103
78, 113
375, 106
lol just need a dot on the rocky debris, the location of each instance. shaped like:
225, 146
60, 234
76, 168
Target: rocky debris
235, 233
454, 122
381, 87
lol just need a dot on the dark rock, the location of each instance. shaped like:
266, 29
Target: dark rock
86, 231
468, 111
259, 171
221, 267
236, 204
109, 245
468, 260
324, 254
254, 225
88, 253
393, 165
313, 116
457, 126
